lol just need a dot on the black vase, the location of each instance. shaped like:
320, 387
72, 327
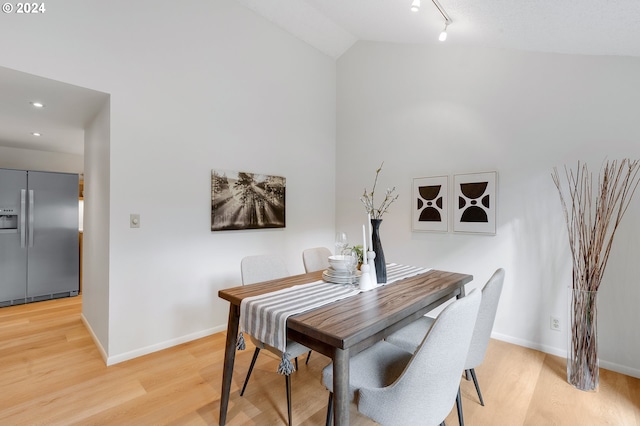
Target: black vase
381, 266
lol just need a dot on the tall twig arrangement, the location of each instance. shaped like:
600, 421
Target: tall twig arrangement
592, 226
592, 216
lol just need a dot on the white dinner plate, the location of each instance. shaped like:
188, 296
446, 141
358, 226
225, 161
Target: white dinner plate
340, 277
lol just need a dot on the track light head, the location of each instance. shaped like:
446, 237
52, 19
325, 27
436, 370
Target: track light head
443, 34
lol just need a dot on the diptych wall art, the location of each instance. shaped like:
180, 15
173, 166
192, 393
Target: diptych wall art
474, 201
431, 204
242, 200
472, 207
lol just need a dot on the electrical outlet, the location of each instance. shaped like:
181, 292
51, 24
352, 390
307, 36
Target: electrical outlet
554, 323
134, 220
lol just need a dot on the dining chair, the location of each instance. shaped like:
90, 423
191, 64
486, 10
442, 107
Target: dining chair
264, 268
409, 337
316, 259
395, 387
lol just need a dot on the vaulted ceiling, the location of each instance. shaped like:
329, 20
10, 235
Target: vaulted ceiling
586, 27
589, 27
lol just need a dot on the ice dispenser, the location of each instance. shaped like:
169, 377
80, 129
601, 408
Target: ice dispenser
8, 219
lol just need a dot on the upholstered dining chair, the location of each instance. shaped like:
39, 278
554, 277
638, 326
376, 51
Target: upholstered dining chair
409, 337
396, 387
316, 259
264, 268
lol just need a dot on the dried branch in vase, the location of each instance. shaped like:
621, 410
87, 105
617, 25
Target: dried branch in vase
367, 198
594, 214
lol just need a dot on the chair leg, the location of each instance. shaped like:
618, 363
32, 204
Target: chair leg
288, 387
253, 362
330, 410
466, 375
475, 382
459, 407
308, 356
296, 363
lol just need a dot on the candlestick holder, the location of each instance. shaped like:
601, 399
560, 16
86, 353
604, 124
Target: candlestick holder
366, 283
371, 255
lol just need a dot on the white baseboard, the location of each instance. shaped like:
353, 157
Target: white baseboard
103, 353
531, 345
622, 369
111, 360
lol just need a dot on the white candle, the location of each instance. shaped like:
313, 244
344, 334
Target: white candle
364, 246
370, 233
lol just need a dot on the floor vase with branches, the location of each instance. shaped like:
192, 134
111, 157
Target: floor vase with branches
593, 214
583, 367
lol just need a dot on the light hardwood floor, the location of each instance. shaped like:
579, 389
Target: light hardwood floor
52, 373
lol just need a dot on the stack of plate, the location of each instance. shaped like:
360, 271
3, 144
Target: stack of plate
340, 276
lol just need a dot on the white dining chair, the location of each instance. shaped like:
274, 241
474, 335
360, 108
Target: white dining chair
264, 268
316, 259
396, 387
409, 337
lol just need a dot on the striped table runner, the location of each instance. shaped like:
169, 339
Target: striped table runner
265, 316
396, 272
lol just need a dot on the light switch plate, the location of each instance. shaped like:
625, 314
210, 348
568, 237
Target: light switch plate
134, 220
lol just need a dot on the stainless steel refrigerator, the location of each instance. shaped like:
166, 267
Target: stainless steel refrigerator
39, 255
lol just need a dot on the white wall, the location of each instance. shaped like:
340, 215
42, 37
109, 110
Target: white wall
30, 159
444, 110
194, 85
95, 243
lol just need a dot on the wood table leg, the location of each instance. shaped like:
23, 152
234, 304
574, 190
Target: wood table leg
341, 387
229, 359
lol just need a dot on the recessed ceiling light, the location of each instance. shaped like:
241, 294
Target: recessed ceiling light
37, 104
36, 134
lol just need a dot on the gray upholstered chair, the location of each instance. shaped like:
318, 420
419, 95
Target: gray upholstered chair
409, 337
396, 387
264, 268
316, 259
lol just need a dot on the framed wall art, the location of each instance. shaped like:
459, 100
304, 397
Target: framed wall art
431, 204
242, 200
474, 203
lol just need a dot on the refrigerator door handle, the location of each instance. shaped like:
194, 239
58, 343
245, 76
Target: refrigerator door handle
31, 218
23, 229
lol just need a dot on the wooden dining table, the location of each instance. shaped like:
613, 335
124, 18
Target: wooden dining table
341, 329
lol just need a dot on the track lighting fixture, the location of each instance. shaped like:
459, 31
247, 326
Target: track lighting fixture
443, 34
415, 6
447, 20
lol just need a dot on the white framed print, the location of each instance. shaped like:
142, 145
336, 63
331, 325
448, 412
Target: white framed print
474, 203
430, 204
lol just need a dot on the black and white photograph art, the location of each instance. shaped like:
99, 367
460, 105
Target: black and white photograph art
474, 204
242, 200
430, 204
